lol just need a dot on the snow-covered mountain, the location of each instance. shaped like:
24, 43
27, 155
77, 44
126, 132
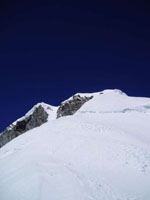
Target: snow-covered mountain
101, 152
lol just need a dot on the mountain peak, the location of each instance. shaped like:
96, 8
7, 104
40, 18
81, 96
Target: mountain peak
102, 151
106, 101
49, 109
113, 91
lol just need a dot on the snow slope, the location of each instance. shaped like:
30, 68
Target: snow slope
100, 153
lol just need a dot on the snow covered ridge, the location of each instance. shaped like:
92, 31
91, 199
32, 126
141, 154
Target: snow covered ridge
107, 101
101, 152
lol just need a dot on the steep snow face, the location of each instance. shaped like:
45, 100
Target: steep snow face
101, 152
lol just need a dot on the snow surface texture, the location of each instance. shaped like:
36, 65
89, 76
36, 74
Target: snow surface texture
101, 152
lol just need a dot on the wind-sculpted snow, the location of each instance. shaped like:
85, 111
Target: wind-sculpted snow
95, 154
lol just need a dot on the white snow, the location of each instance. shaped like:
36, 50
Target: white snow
100, 153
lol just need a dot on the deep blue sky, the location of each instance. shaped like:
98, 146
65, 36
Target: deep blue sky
49, 51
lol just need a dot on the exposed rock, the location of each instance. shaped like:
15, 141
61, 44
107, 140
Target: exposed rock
70, 106
39, 114
35, 119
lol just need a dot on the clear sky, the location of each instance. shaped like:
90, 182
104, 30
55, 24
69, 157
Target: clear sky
50, 50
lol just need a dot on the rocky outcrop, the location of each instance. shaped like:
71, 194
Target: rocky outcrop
36, 118
40, 114
70, 106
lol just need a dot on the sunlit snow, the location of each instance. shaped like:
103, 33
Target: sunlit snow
102, 152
